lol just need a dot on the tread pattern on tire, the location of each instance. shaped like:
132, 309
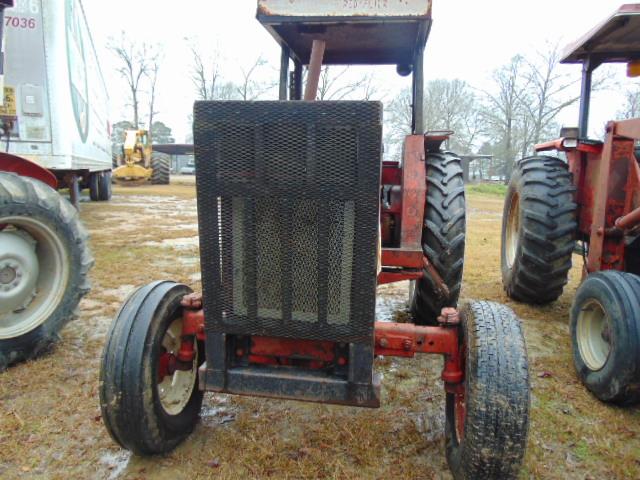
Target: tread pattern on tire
497, 396
443, 235
26, 196
548, 227
160, 165
618, 381
127, 403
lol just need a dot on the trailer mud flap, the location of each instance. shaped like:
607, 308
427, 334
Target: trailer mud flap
288, 202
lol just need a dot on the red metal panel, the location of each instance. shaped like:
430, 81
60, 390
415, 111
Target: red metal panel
399, 276
399, 257
414, 190
27, 168
628, 128
611, 191
391, 174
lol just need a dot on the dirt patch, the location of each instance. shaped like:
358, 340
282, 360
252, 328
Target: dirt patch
50, 425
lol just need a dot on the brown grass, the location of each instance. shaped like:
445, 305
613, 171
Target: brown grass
50, 424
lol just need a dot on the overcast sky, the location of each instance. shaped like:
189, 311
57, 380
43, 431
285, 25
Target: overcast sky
469, 39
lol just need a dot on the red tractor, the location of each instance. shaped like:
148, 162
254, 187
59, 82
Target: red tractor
299, 221
593, 197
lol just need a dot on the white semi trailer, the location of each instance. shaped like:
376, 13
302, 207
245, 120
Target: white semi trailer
53, 133
57, 115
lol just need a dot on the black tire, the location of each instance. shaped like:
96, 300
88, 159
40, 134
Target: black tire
94, 186
35, 204
104, 186
161, 166
606, 353
443, 237
129, 398
538, 230
496, 396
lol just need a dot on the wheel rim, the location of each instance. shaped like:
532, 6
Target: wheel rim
513, 227
34, 274
175, 386
593, 335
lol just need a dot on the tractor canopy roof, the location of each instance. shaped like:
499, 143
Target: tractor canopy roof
616, 40
372, 32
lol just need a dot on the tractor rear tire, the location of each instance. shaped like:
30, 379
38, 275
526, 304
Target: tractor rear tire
139, 412
104, 186
605, 336
538, 230
487, 426
160, 165
443, 237
44, 250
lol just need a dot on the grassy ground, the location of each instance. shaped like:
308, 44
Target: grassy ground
50, 425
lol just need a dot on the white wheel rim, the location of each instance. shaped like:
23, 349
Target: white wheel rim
512, 229
32, 249
175, 389
593, 335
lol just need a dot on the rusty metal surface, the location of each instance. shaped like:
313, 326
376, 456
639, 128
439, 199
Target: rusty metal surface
381, 32
628, 128
345, 8
617, 39
414, 188
315, 67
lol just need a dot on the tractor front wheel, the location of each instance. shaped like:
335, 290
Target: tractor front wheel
149, 405
487, 422
605, 336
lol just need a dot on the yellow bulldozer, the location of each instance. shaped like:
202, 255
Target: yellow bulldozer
138, 163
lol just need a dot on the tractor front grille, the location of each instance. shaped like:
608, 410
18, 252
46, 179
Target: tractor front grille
288, 214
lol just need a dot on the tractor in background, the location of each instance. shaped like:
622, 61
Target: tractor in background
593, 198
299, 221
139, 163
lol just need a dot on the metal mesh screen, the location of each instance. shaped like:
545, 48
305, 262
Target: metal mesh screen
288, 214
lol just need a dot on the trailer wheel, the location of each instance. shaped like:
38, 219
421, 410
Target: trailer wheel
94, 186
487, 423
538, 230
145, 407
443, 237
160, 165
104, 186
605, 336
44, 266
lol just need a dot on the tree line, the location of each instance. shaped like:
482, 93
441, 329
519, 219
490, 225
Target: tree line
517, 108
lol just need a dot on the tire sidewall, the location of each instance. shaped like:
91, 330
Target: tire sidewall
514, 188
618, 369
32, 342
170, 426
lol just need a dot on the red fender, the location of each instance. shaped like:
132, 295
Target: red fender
26, 168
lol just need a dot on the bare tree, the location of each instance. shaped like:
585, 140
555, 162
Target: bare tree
135, 62
397, 122
631, 107
503, 109
339, 84
152, 74
250, 88
205, 75
547, 94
